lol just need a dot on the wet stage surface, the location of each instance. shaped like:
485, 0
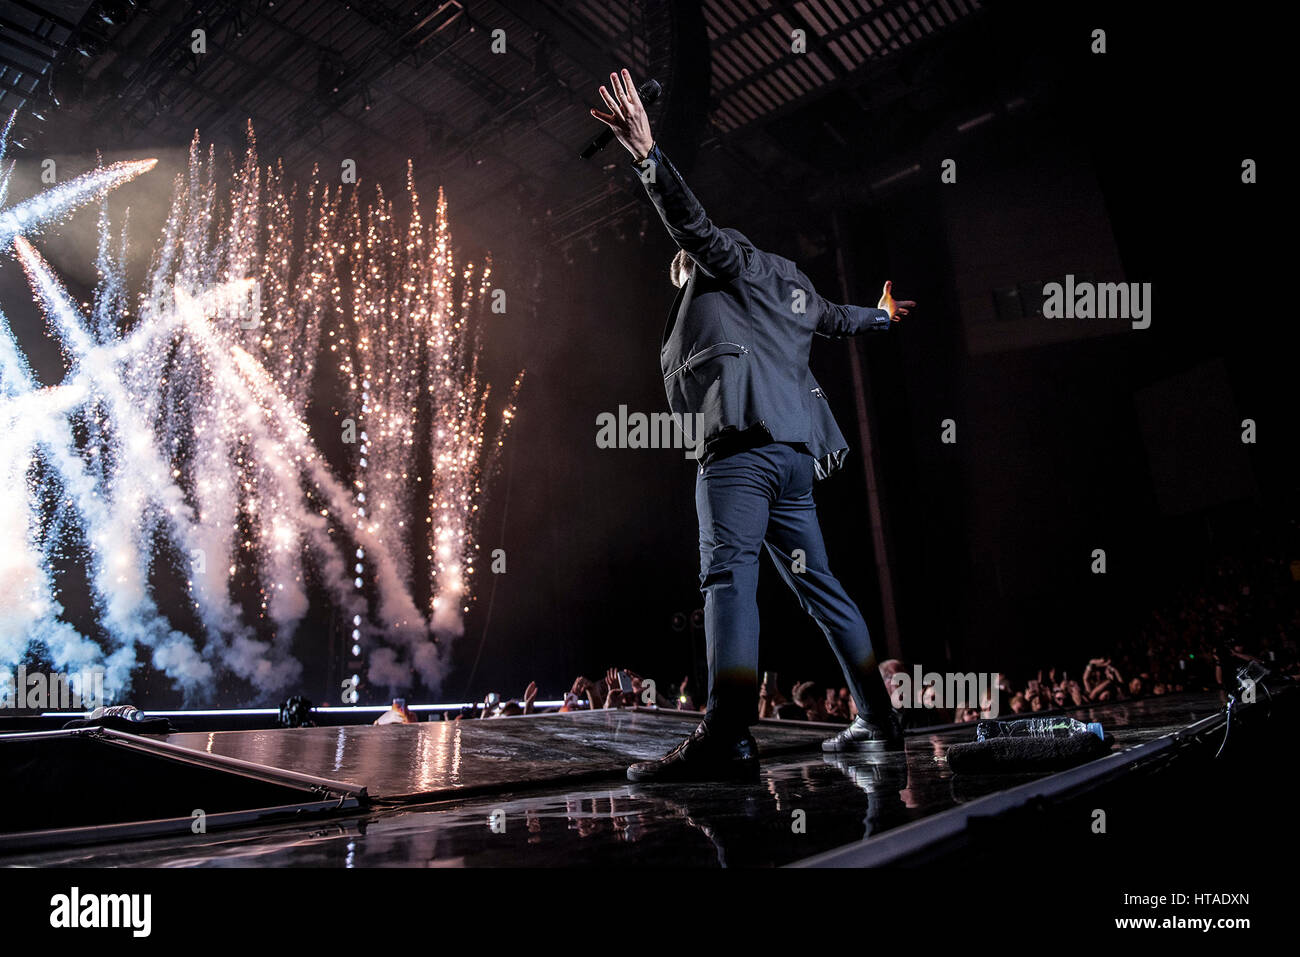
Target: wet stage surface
404, 761
478, 815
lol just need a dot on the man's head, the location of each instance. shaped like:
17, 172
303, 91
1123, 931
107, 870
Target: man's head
681, 267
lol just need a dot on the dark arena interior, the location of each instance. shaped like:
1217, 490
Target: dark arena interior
351, 522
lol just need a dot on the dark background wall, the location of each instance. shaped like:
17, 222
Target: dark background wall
1111, 174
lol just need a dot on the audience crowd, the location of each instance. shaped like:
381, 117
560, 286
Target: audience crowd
1240, 612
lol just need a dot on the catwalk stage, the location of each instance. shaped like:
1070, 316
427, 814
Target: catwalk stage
550, 790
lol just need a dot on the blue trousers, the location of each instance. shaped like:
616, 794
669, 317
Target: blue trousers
763, 496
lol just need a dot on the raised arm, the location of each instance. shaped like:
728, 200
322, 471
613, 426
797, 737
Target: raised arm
716, 252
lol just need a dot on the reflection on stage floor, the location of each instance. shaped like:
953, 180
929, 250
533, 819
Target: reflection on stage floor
403, 762
805, 803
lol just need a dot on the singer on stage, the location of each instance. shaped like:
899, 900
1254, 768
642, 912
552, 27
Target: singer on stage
735, 350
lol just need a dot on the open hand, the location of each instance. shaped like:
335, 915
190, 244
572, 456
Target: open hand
896, 310
626, 116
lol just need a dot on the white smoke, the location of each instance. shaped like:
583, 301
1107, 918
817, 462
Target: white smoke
191, 408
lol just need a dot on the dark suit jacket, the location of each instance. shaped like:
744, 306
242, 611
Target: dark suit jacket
735, 347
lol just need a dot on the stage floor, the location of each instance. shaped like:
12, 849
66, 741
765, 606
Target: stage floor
546, 791
408, 762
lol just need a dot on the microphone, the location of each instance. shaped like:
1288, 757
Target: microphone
649, 92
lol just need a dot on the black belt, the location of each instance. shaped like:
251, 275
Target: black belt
731, 441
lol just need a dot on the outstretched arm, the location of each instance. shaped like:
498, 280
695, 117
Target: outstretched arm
834, 320
717, 253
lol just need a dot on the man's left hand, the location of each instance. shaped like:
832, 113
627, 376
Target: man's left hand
896, 310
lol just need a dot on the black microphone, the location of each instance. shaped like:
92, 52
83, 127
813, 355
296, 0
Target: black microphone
649, 92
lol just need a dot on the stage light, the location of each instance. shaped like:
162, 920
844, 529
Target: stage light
89, 45
114, 12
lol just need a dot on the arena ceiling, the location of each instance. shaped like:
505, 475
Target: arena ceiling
381, 81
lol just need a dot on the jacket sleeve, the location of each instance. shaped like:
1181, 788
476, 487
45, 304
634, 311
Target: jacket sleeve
717, 253
834, 320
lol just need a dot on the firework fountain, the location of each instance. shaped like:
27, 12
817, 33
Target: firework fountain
180, 432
